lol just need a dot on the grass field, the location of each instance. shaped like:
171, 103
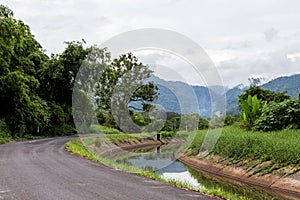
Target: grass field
279, 150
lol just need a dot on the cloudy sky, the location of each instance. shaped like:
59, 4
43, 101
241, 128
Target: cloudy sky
246, 38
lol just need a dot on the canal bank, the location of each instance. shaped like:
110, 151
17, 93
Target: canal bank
165, 162
288, 187
150, 158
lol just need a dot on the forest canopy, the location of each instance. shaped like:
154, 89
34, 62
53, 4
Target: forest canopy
36, 89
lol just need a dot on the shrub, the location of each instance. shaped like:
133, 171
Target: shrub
167, 134
278, 116
4, 131
55, 130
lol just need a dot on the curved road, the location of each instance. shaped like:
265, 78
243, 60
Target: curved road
43, 169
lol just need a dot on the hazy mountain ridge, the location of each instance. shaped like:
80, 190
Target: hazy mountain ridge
291, 84
172, 91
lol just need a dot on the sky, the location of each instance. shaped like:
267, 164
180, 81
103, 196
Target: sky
245, 38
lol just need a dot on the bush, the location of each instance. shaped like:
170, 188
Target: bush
4, 131
167, 134
65, 129
278, 116
203, 123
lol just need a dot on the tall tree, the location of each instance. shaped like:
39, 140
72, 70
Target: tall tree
122, 83
21, 58
57, 82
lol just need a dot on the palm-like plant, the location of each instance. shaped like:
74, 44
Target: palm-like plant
251, 110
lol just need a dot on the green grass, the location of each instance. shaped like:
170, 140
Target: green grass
125, 138
103, 129
235, 145
118, 139
99, 129
77, 147
7, 139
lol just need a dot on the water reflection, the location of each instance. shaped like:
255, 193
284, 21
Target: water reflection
158, 161
151, 161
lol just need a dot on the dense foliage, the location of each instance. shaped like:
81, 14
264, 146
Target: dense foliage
21, 60
264, 95
266, 110
36, 90
277, 116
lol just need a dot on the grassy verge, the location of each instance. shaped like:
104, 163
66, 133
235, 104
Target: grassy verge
5, 139
262, 152
103, 130
116, 139
77, 147
99, 129
25, 137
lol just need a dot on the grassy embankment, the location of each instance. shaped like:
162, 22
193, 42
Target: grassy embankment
79, 147
275, 152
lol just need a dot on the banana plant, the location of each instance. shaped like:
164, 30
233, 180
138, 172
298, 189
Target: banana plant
251, 110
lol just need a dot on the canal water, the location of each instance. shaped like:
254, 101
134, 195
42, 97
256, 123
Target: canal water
165, 164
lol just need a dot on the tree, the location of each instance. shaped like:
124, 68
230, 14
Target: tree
122, 83
263, 95
191, 122
21, 58
57, 80
172, 124
5, 12
254, 81
58, 77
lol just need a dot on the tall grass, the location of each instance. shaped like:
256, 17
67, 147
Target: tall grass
103, 129
280, 148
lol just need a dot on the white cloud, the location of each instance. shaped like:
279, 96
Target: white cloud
243, 38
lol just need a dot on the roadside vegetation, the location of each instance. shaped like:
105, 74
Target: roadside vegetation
265, 139
265, 110
77, 147
262, 152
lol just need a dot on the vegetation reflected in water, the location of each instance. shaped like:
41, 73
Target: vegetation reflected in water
165, 163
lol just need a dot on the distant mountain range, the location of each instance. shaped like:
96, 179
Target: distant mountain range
179, 97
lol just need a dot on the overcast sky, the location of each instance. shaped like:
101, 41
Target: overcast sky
253, 38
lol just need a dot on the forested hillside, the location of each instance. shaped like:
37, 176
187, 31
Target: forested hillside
290, 84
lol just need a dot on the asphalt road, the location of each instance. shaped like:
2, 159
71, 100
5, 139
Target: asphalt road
43, 169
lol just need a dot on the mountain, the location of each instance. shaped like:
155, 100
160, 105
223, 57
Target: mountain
290, 84
232, 97
179, 97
